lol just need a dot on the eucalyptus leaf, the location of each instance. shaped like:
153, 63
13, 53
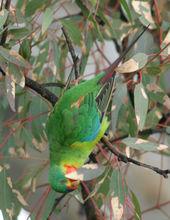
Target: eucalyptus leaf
125, 6
137, 62
142, 144
73, 31
3, 17
47, 19
141, 105
6, 194
13, 57
119, 99
138, 213
32, 6
118, 187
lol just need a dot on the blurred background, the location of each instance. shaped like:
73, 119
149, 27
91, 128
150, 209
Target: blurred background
25, 148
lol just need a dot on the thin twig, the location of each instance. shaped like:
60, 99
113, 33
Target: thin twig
57, 201
91, 209
126, 159
72, 52
156, 55
92, 156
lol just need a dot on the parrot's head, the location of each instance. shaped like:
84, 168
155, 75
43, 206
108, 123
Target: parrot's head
58, 180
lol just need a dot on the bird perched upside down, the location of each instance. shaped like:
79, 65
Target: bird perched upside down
73, 129
76, 125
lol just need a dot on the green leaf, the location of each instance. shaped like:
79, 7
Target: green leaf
3, 17
141, 59
18, 33
89, 44
5, 194
141, 105
47, 19
57, 54
42, 57
25, 49
48, 204
13, 57
143, 8
138, 214
119, 99
166, 41
16, 74
118, 187
126, 9
73, 31
141, 144
88, 14
10, 91
93, 2
153, 118
33, 6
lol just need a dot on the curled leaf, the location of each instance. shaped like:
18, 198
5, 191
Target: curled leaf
137, 62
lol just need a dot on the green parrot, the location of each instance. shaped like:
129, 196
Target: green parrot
77, 124
73, 129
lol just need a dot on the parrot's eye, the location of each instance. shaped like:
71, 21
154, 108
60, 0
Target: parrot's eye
63, 182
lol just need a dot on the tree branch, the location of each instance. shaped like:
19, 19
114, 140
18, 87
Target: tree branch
126, 159
91, 209
40, 89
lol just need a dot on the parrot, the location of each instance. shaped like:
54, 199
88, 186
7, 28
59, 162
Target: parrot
77, 123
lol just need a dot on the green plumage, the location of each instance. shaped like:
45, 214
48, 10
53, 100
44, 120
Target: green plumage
73, 128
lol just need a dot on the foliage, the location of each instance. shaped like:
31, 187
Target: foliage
35, 47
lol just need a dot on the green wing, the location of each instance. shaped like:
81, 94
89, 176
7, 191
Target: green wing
65, 118
78, 122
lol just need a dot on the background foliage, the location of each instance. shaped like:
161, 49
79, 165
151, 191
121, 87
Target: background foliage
33, 45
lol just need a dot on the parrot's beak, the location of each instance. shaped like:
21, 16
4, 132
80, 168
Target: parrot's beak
72, 184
